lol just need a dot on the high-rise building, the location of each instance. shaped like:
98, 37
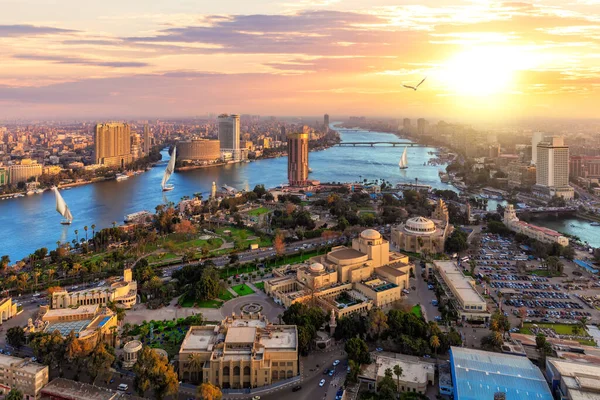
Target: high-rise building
406, 125
229, 134
326, 120
112, 144
421, 126
198, 150
24, 171
298, 158
535, 139
146, 139
581, 167
552, 168
23, 375
282, 136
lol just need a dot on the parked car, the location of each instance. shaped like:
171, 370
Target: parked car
336, 362
296, 388
322, 382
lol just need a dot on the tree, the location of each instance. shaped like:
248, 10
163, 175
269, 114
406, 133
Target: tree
4, 261
357, 350
208, 391
14, 394
100, 360
15, 336
457, 242
377, 322
398, 372
387, 387
154, 372
434, 342
279, 244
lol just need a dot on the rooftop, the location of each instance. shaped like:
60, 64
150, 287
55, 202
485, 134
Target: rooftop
582, 379
391, 270
23, 364
237, 334
280, 338
200, 338
379, 285
64, 328
68, 389
68, 312
346, 253
460, 282
413, 370
479, 374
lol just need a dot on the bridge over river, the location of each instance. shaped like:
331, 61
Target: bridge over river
387, 144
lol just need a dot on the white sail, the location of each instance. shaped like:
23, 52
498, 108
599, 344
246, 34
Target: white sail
170, 168
62, 207
403, 160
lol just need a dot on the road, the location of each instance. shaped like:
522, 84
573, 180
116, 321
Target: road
422, 294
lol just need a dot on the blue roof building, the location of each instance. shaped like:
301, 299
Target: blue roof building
478, 374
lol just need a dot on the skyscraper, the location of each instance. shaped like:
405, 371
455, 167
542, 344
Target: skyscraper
326, 120
421, 126
146, 140
406, 125
535, 139
229, 134
552, 168
112, 144
298, 158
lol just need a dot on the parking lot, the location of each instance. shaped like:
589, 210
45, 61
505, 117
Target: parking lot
523, 292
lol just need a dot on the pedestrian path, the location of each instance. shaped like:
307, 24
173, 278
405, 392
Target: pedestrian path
230, 290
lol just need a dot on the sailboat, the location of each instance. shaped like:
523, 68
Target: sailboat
62, 208
403, 164
168, 172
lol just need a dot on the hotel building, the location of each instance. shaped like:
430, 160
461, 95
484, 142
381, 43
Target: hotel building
112, 144
298, 158
552, 169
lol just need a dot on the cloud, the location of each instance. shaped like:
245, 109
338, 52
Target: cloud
80, 61
30, 30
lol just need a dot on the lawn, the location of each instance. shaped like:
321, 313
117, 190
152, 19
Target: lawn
225, 295
242, 290
166, 335
187, 301
240, 237
260, 285
416, 309
209, 304
258, 211
543, 272
561, 329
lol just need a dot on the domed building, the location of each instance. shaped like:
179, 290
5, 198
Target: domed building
420, 234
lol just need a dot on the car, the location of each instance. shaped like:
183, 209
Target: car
112, 380
426, 356
331, 372
296, 388
326, 371
256, 398
405, 291
348, 369
379, 349
430, 287
336, 362
322, 382
437, 318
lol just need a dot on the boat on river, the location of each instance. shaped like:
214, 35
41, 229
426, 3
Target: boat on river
403, 164
168, 172
62, 208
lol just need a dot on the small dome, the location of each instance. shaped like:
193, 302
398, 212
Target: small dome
420, 225
317, 267
370, 234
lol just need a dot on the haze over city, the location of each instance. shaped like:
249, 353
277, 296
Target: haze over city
182, 58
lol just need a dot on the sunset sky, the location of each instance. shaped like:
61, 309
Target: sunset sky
178, 58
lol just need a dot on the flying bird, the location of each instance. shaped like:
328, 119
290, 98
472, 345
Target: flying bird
415, 87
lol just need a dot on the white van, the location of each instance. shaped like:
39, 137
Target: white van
123, 387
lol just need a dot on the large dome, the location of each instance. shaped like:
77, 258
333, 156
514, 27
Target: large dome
316, 268
420, 225
370, 234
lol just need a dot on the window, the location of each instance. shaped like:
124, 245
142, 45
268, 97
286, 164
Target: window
226, 371
236, 371
246, 370
290, 363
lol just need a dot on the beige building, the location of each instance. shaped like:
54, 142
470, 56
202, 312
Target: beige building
572, 380
123, 293
22, 374
199, 150
8, 309
90, 323
229, 134
347, 279
241, 352
552, 168
23, 172
460, 291
540, 233
416, 374
130, 353
112, 144
421, 234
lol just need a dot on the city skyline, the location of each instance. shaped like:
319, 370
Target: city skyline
503, 60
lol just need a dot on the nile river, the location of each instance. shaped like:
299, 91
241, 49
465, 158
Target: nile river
31, 222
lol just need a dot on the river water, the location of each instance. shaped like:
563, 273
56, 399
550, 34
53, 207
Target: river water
31, 222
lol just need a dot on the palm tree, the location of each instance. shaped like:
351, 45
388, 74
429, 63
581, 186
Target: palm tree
434, 342
195, 360
85, 228
50, 272
57, 244
77, 234
398, 372
93, 230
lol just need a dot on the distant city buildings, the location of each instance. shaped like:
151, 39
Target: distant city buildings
243, 351
22, 374
552, 169
521, 175
112, 144
422, 126
406, 127
229, 134
539, 233
298, 158
326, 121
24, 171
147, 139
584, 167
